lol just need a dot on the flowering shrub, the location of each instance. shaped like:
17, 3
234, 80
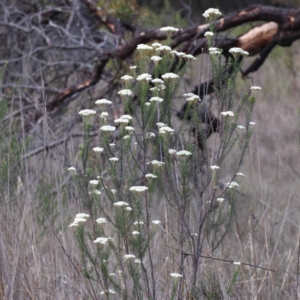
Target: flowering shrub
159, 189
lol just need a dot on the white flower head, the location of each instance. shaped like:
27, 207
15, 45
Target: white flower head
113, 159
138, 223
72, 170
150, 176
252, 123
86, 114
214, 167
166, 130
156, 222
165, 49
214, 51
126, 78
160, 124
149, 135
240, 174
128, 208
193, 99
227, 113
157, 81
138, 189
98, 149
126, 137
103, 102
240, 127
94, 182
236, 52
255, 88
127, 256
154, 89
156, 45
82, 215
103, 115
211, 14
180, 54
121, 121
156, 99
129, 128
208, 34
125, 92
128, 117
135, 232
172, 151
112, 145
101, 221
143, 47
168, 30
101, 240
79, 220
144, 77
175, 275
170, 76
156, 163
121, 204
156, 58
138, 261
189, 57
107, 128
106, 292
183, 153
236, 263
232, 184
220, 200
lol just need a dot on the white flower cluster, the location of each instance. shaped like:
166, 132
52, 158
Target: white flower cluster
101, 221
255, 88
156, 58
125, 92
156, 163
236, 52
138, 189
191, 98
156, 99
211, 14
214, 167
144, 77
227, 113
164, 49
98, 149
175, 275
169, 29
107, 128
232, 184
126, 78
169, 76
72, 170
183, 153
143, 47
208, 34
79, 219
106, 292
214, 51
103, 102
150, 176
120, 204
165, 130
